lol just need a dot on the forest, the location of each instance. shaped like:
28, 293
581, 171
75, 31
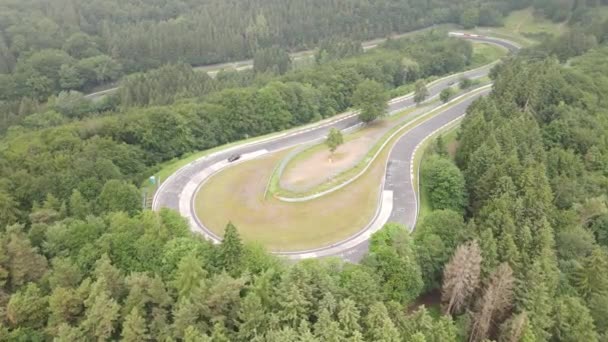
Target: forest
76, 45
523, 258
516, 248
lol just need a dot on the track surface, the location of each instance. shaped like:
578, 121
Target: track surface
398, 177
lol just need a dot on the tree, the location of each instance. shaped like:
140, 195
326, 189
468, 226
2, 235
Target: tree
446, 94
101, 317
572, 321
371, 98
22, 261
394, 261
272, 59
252, 317
590, 277
65, 307
494, 303
379, 325
334, 139
445, 184
189, 275
27, 308
461, 277
470, 18
349, 316
465, 83
78, 206
231, 251
72, 104
134, 327
120, 196
421, 92
9, 211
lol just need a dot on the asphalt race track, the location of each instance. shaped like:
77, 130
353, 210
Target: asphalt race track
397, 179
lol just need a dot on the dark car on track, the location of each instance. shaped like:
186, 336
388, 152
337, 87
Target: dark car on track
234, 157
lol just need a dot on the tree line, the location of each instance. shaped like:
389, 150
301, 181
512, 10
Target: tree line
67, 45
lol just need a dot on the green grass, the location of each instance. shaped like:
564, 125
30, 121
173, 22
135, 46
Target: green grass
524, 27
281, 226
484, 53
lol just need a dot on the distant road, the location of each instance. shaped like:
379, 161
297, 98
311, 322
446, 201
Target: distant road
213, 69
178, 190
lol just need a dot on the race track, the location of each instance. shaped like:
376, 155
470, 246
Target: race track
398, 194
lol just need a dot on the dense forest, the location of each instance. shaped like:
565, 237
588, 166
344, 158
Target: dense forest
523, 258
515, 250
47, 47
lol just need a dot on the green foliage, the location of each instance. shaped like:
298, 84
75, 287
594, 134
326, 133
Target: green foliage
420, 92
393, 258
231, 251
465, 83
334, 139
573, 321
371, 98
273, 60
85, 263
436, 239
446, 95
119, 196
445, 184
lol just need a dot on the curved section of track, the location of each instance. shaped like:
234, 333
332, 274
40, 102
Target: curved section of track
177, 190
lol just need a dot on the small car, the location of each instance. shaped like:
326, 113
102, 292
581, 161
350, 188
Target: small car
234, 157
451, 83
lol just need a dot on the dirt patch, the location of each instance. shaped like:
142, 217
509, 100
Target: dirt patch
318, 165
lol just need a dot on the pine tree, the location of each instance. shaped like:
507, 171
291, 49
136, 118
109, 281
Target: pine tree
101, 316
134, 327
113, 278
251, 315
496, 300
349, 316
27, 308
191, 334
79, 207
189, 275
572, 321
534, 296
326, 329
591, 278
294, 305
231, 251
461, 277
379, 325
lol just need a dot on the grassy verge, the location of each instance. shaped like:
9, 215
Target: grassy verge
485, 53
